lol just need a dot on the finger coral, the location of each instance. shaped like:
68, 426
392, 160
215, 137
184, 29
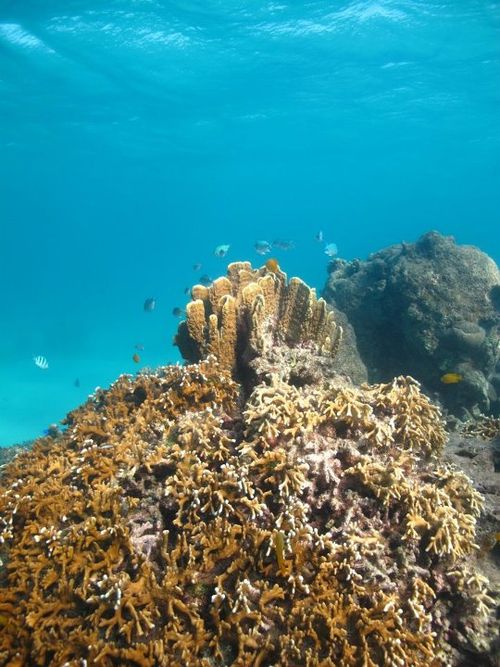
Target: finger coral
182, 518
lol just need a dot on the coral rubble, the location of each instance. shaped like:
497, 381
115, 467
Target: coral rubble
190, 516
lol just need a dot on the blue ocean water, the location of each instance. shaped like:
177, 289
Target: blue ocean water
137, 135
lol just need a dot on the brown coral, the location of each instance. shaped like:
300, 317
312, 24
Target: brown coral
180, 520
482, 426
242, 315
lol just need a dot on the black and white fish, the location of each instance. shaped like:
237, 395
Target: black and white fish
319, 236
41, 362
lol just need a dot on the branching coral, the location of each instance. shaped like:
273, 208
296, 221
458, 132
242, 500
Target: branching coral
440, 517
482, 426
180, 519
418, 423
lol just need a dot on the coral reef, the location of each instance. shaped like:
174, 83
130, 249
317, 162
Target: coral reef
192, 516
426, 309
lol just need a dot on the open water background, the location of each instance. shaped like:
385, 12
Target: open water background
137, 135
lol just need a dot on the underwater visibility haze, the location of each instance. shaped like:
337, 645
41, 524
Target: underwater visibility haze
146, 144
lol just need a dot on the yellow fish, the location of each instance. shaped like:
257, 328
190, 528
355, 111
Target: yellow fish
451, 378
284, 566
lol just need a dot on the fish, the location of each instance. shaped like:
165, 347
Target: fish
187, 291
272, 265
52, 430
451, 378
197, 266
149, 305
262, 247
205, 280
279, 547
284, 245
319, 237
177, 312
331, 250
136, 358
41, 362
76, 382
139, 346
221, 250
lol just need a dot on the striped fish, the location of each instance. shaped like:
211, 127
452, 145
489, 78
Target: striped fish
41, 362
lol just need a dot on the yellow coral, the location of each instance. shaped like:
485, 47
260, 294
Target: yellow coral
418, 423
238, 316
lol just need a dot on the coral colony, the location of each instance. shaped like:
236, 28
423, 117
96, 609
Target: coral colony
251, 508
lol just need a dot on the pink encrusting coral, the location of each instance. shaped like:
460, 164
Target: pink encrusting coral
251, 509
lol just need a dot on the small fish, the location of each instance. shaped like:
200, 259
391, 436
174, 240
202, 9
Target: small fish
139, 346
262, 247
197, 266
149, 305
41, 362
221, 250
279, 548
52, 430
319, 237
205, 280
451, 378
272, 265
187, 291
331, 250
177, 312
284, 566
284, 245
136, 358
76, 382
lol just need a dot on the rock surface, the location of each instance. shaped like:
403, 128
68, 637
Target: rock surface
426, 309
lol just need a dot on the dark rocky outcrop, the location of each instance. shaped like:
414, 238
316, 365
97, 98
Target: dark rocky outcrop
426, 309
